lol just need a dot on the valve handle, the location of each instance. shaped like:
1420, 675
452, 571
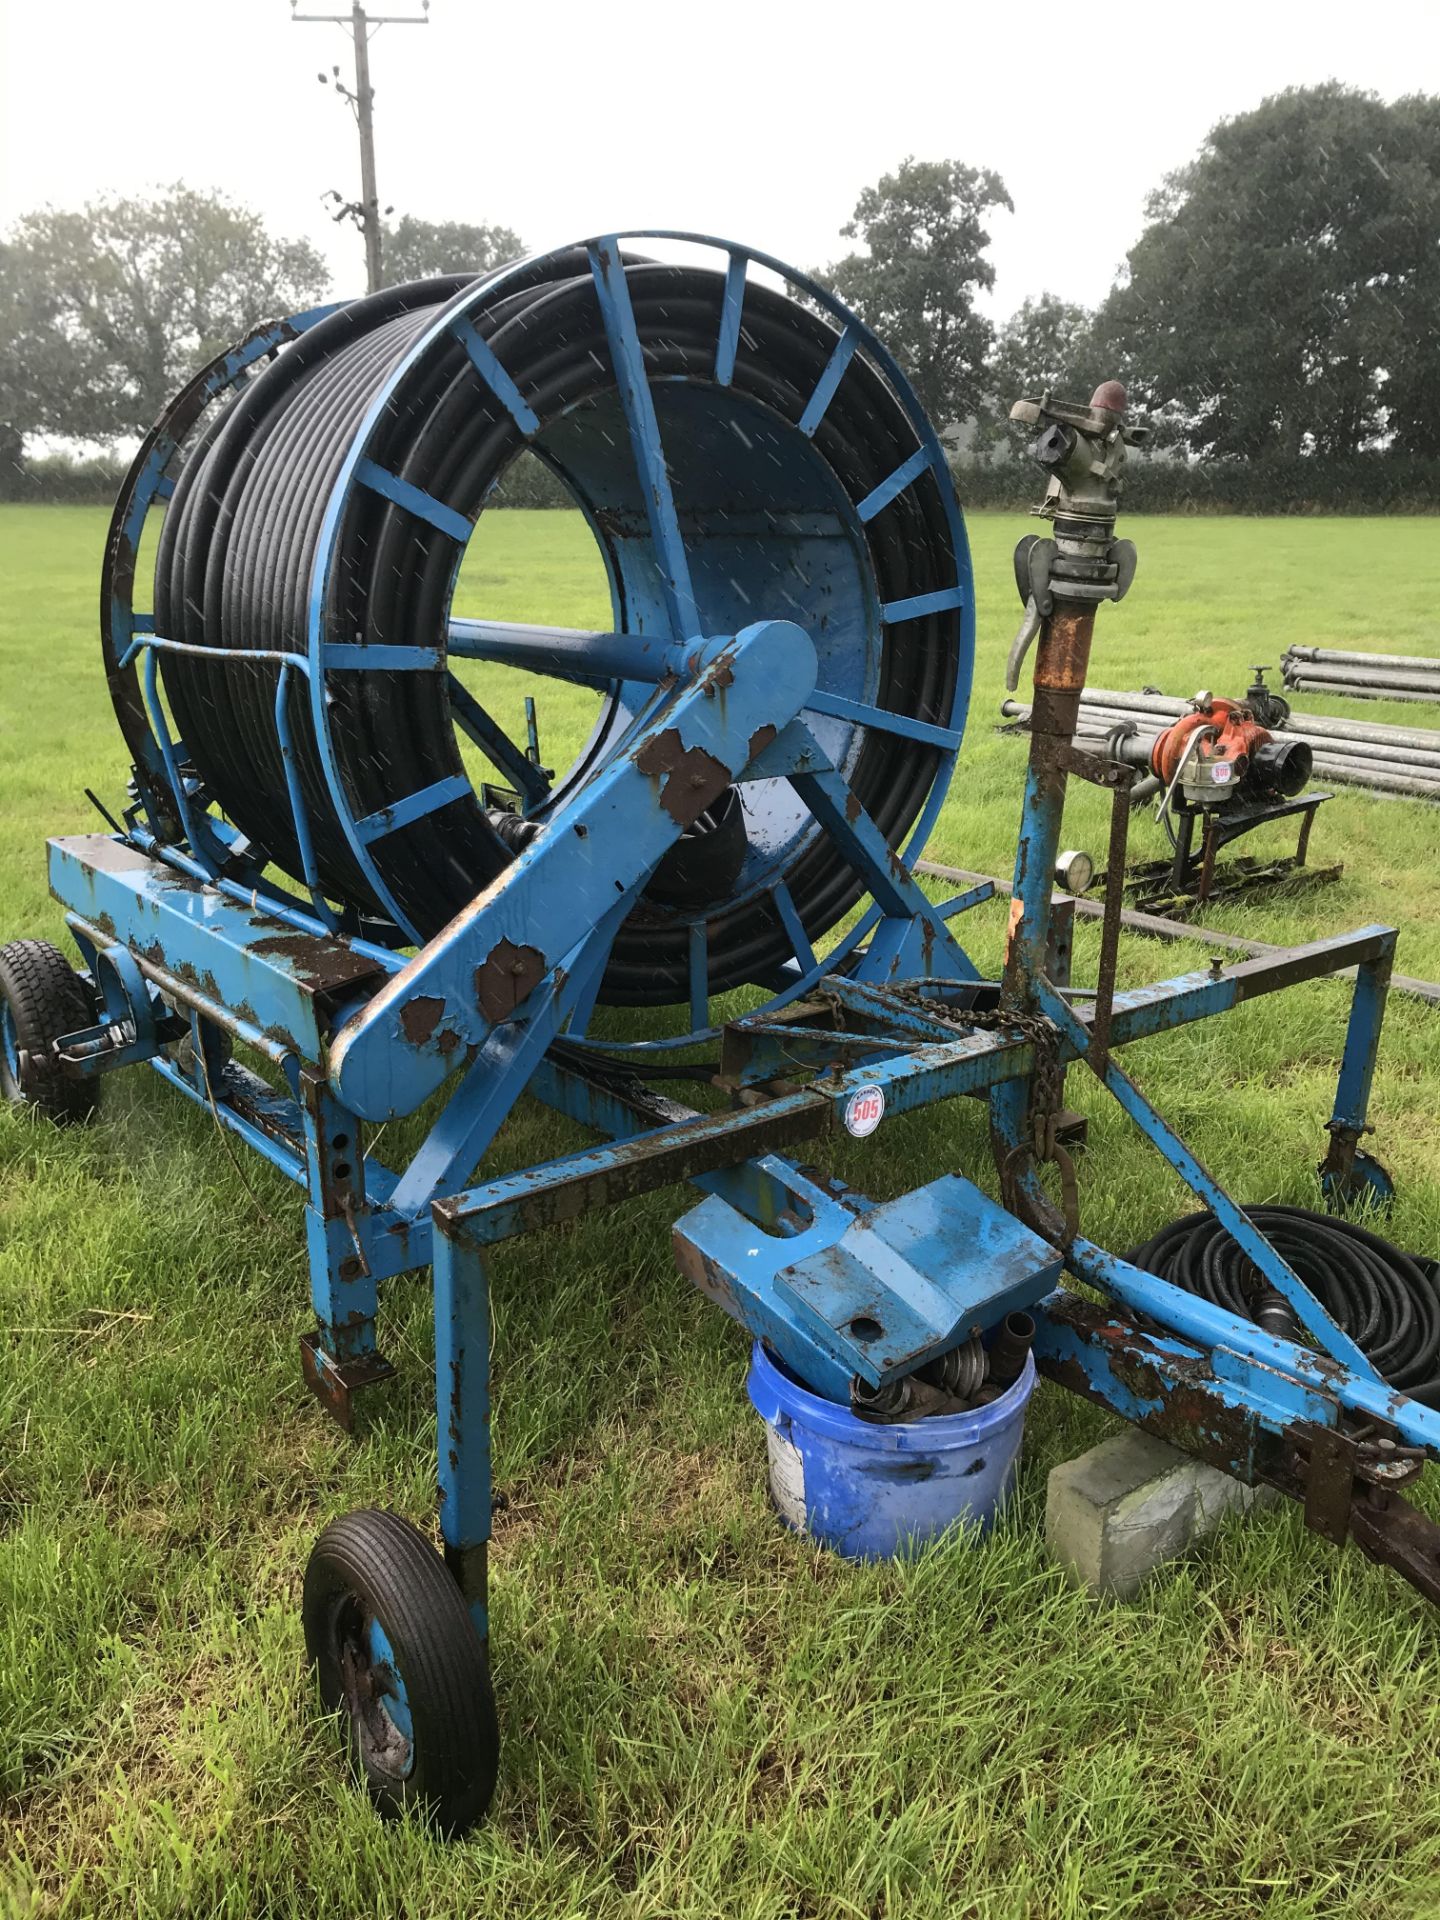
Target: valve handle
1022, 644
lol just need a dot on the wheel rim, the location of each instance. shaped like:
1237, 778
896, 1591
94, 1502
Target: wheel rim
10, 1042
376, 1702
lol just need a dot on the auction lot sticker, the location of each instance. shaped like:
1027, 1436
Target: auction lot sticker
864, 1111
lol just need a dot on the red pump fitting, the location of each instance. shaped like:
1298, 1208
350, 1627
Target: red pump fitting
1233, 750
1238, 734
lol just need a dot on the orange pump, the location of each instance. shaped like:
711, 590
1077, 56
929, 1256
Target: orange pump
1219, 747
1238, 737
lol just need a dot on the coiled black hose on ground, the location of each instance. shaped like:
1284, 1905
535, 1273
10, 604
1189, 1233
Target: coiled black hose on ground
1384, 1298
236, 557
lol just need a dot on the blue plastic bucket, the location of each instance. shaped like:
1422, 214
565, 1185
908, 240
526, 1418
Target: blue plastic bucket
872, 1490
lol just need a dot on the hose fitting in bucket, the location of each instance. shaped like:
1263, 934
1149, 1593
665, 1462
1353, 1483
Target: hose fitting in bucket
873, 1491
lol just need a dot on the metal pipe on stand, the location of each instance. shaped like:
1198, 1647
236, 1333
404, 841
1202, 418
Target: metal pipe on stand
1371, 690
1364, 773
1362, 676
1383, 733
1159, 704
1061, 581
1388, 760
1390, 662
1098, 723
1346, 679
1321, 725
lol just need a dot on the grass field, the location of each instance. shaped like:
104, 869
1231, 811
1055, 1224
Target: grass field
703, 1716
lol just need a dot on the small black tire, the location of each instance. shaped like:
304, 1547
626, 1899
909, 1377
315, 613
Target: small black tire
41, 998
419, 1716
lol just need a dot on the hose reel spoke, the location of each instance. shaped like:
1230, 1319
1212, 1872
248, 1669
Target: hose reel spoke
414, 500
731, 309
893, 485
638, 404
482, 358
699, 978
414, 806
794, 926
902, 724
494, 742
826, 386
945, 600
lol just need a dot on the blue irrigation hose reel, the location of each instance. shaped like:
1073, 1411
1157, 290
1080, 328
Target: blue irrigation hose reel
798, 475
340, 859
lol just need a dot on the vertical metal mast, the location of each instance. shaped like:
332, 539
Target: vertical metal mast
365, 212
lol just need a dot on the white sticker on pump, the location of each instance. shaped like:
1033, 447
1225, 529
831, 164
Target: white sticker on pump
787, 1478
864, 1111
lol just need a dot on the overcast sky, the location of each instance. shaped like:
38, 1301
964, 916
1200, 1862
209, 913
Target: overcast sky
758, 122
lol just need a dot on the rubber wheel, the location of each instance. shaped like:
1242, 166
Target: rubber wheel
41, 998
398, 1659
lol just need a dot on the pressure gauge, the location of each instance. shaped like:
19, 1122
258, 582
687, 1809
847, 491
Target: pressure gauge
1074, 871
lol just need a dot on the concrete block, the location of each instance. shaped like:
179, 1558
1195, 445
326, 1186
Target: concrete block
1131, 1503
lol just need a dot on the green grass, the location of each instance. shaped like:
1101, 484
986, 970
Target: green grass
703, 1716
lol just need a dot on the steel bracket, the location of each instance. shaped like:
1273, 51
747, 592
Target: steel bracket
335, 1383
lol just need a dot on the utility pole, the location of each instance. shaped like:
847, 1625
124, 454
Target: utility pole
365, 212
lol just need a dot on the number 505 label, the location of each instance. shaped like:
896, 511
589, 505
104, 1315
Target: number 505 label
864, 1111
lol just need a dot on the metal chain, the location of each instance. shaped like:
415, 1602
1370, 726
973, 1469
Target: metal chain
1047, 1090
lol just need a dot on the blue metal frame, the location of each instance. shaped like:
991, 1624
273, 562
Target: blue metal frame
365, 1223
763, 1220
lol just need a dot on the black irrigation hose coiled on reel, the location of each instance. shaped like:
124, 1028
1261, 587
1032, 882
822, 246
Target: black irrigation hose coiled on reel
241, 531
1385, 1299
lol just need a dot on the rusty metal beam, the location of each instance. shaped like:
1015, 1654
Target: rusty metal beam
1159, 928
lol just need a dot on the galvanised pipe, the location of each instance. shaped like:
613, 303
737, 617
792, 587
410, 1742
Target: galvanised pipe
1096, 723
1367, 677
1387, 662
1371, 692
1391, 776
1108, 709
1386, 780
1426, 739
1136, 702
1368, 750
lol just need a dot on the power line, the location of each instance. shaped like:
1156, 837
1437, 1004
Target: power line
365, 211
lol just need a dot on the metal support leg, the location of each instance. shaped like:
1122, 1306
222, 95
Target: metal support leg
1308, 1310
1209, 842
1348, 1175
462, 1407
340, 1357
1180, 865
1072, 1129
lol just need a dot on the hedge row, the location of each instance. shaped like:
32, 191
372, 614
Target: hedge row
1360, 483
1363, 483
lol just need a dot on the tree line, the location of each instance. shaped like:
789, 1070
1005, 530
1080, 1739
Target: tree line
1280, 302
107, 311
1275, 318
